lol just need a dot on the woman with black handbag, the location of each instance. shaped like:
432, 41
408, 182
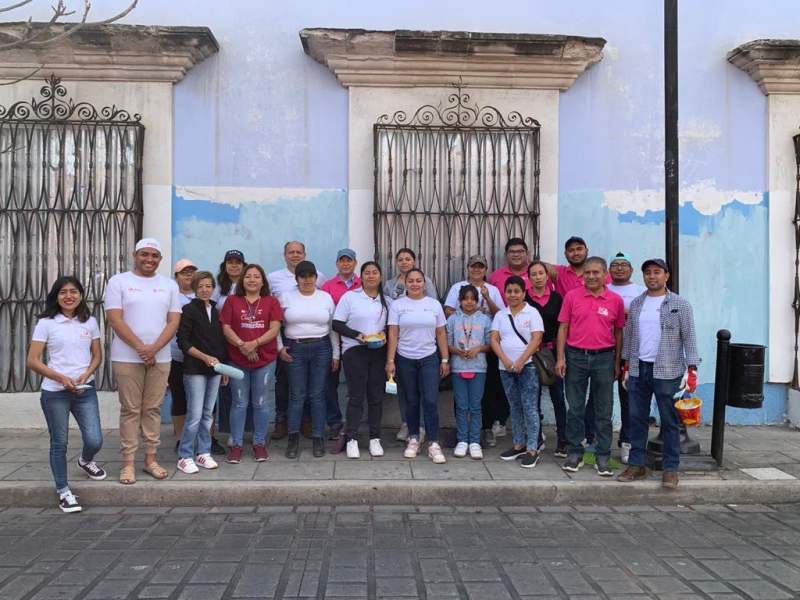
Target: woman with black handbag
516, 335
548, 302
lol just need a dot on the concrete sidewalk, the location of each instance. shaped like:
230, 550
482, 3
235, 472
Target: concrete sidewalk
25, 477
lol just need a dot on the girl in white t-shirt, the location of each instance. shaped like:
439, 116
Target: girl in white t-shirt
516, 334
72, 339
416, 330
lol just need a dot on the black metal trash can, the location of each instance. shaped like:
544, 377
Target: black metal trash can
746, 375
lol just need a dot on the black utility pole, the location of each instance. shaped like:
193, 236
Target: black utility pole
671, 181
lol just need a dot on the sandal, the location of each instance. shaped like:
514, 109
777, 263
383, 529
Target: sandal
155, 470
127, 475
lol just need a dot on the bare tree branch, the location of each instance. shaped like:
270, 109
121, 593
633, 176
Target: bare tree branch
14, 6
38, 39
23, 78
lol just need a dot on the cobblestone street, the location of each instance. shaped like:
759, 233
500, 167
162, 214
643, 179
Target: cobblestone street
665, 552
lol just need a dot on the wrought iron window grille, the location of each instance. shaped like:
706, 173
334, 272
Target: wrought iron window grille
796, 223
71, 194
454, 180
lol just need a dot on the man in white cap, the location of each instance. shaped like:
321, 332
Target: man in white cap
143, 309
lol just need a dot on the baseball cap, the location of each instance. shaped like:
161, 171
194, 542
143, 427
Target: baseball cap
657, 262
351, 254
575, 240
477, 259
147, 243
182, 264
620, 256
234, 255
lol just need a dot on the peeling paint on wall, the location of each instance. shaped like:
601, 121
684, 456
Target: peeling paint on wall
258, 221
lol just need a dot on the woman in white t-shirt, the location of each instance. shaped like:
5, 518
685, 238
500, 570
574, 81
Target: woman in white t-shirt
516, 334
311, 352
416, 330
71, 337
360, 319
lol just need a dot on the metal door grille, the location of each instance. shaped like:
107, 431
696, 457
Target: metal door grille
71, 193
454, 181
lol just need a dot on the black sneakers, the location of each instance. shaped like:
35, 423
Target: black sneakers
573, 463
602, 467
92, 470
529, 460
513, 453
68, 502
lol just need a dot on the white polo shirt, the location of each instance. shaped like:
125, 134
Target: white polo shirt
527, 321
417, 320
283, 280
361, 312
145, 303
69, 346
452, 297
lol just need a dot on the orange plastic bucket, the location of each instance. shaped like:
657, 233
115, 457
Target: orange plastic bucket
689, 410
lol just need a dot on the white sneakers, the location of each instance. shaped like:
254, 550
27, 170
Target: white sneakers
402, 435
461, 450
375, 448
624, 452
352, 449
475, 451
412, 448
189, 466
435, 453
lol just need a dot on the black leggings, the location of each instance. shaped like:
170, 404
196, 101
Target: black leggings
494, 404
366, 383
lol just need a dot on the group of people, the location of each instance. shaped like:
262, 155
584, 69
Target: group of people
500, 337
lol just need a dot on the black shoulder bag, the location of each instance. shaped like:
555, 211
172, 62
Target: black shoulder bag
543, 359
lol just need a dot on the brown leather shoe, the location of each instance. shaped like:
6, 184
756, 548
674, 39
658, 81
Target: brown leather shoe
305, 429
632, 473
339, 444
669, 479
281, 430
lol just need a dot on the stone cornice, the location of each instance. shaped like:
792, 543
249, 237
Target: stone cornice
773, 64
437, 58
111, 52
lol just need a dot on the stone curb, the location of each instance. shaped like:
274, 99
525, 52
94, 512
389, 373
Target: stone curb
360, 492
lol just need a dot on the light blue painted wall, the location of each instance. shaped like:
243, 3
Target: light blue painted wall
262, 114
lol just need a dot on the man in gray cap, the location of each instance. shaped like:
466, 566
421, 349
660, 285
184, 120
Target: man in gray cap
344, 281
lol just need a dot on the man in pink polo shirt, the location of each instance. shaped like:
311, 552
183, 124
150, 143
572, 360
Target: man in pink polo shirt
589, 346
344, 281
517, 261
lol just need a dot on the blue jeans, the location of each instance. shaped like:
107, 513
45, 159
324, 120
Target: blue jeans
256, 389
595, 371
420, 378
56, 407
640, 390
308, 374
468, 394
201, 397
522, 391
559, 407
333, 414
